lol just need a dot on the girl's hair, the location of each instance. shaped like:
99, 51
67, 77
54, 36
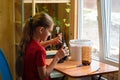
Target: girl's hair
41, 19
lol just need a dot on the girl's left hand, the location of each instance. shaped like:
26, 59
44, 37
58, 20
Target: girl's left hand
57, 40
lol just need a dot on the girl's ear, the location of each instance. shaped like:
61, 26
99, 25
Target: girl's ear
41, 29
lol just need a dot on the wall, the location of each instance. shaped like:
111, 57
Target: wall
111, 76
7, 32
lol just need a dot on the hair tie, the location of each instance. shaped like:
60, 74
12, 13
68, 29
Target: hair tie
31, 19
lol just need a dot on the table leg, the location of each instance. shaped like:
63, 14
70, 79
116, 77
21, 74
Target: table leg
93, 77
63, 77
99, 77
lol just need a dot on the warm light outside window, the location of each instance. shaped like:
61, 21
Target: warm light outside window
90, 24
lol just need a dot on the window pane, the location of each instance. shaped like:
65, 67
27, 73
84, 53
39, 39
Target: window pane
90, 24
114, 30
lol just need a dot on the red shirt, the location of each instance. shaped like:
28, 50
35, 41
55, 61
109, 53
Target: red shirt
35, 56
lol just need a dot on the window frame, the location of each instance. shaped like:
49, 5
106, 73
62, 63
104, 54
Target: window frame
103, 22
104, 26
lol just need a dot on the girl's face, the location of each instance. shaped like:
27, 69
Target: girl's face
45, 33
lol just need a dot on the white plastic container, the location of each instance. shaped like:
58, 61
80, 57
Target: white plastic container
76, 49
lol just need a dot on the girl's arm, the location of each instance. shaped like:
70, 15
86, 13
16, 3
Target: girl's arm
54, 41
44, 71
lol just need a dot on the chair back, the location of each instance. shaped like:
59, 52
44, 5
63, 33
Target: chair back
4, 67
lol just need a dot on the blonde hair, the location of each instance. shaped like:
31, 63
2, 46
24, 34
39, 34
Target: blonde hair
40, 19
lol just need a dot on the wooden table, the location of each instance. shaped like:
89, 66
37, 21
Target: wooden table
68, 68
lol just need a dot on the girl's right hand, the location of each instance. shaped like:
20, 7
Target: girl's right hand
62, 52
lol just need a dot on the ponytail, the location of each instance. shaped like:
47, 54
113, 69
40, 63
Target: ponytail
27, 34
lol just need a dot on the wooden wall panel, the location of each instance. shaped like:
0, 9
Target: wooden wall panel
18, 18
61, 15
74, 19
7, 32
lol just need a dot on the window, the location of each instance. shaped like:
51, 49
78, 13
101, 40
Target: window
110, 28
99, 21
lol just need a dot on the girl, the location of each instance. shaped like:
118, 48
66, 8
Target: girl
35, 33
